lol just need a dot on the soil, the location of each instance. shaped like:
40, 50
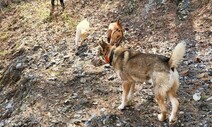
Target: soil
46, 81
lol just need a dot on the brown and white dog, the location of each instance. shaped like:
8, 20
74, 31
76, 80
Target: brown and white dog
115, 33
133, 66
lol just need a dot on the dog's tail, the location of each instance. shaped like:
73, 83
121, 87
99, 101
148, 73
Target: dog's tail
177, 55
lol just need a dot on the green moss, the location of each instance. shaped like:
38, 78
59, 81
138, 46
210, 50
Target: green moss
205, 97
32, 13
67, 18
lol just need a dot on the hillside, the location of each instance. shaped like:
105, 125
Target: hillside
45, 81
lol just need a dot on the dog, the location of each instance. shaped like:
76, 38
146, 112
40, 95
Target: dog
53, 5
132, 66
82, 31
115, 33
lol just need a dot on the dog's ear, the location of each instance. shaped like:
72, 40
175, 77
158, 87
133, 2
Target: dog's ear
103, 44
119, 23
109, 35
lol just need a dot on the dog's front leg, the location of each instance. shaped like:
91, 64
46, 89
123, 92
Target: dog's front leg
126, 89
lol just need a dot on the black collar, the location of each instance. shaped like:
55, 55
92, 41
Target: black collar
111, 57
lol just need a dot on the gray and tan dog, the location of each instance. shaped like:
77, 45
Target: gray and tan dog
133, 66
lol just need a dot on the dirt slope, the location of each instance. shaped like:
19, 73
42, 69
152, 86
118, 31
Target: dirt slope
44, 81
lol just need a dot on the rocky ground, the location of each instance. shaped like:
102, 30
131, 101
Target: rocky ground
45, 81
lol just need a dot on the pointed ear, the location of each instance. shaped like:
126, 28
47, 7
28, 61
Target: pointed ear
119, 23
103, 44
109, 35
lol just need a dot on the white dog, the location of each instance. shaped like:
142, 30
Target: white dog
82, 31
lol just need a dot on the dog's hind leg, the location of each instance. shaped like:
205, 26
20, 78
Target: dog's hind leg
175, 104
126, 88
160, 98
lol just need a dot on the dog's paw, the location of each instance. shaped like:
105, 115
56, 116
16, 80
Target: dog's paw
172, 120
121, 107
161, 117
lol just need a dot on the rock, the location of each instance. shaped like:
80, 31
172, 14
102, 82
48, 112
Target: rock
19, 66
183, 9
66, 57
103, 111
36, 47
2, 124
74, 96
82, 80
11, 73
210, 98
181, 112
67, 102
81, 50
197, 96
46, 57
72, 125
9, 105
205, 125
52, 79
77, 116
1, 67
185, 73
50, 64
54, 54
202, 75
112, 77
198, 60
205, 86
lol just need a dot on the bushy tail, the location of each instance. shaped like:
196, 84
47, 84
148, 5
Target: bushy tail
177, 54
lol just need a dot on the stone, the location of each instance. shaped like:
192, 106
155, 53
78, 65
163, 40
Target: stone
185, 73
2, 124
19, 66
210, 98
82, 80
36, 47
202, 75
197, 96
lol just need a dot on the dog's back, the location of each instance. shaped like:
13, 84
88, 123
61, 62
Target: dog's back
139, 66
132, 62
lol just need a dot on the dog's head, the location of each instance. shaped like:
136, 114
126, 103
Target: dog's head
115, 33
105, 51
